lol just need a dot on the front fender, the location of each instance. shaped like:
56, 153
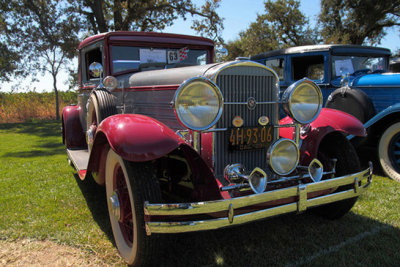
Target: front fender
72, 132
389, 110
328, 121
138, 137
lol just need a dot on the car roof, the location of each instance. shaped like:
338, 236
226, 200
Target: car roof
334, 48
147, 37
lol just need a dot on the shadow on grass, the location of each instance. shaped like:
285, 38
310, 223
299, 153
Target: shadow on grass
38, 128
47, 147
42, 150
95, 196
289, 240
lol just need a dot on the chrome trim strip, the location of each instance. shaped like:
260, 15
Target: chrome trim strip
226, 129
207, 207
215, 130
258, 103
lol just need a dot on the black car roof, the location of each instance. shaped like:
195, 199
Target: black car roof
334, 48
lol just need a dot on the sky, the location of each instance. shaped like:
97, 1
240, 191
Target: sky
238, 15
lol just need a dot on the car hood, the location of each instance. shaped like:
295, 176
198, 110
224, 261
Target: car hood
377, 79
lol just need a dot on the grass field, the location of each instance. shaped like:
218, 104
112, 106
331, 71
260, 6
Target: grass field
41, 198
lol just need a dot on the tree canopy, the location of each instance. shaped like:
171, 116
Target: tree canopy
340, 21
39, 36
147, 15
357, 21
282, 25
31, 28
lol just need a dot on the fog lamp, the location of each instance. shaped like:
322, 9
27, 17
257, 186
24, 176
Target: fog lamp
283, 156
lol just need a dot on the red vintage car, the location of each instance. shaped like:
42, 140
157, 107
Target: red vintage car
184, 144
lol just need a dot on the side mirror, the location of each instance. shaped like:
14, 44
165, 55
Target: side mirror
96, 70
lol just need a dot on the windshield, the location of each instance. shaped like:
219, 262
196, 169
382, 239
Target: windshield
129, 58
354, 65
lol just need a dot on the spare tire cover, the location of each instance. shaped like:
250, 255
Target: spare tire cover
352, 101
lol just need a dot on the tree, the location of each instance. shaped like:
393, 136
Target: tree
8, 62
43, 33
42, 36
147, 15
357, 21
282, 25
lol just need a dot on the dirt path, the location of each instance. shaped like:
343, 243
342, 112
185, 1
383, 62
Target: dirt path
44, 253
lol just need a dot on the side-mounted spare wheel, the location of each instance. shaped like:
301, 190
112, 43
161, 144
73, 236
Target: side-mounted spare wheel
128, 185
389, 151
101, 104
336, 146
352, 101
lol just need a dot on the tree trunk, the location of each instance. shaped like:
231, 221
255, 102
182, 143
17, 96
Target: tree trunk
56, 96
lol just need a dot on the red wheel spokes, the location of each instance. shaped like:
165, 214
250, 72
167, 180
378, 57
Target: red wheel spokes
125, 223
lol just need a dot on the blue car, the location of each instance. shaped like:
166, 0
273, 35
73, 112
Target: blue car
354, 79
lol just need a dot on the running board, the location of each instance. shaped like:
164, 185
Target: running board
79, 160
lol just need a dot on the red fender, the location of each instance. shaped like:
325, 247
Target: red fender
328, 121
138, 137
72, 133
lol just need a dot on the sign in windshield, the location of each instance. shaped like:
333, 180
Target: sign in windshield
129, 58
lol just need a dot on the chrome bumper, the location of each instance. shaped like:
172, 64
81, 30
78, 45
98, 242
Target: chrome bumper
359, 182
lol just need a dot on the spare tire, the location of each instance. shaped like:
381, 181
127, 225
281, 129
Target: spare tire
101, 104
352, 101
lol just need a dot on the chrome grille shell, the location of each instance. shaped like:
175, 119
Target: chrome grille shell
238, 83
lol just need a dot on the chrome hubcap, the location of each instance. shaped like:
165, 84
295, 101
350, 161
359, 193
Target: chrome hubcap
115, 206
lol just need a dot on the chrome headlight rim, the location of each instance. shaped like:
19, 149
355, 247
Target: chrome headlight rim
217, 92
288, 95
270, 156
110, 82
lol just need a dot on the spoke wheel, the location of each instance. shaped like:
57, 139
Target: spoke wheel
128, 185
389, 151
347, 163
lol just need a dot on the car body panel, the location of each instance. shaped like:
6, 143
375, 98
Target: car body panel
139, 138
73, 136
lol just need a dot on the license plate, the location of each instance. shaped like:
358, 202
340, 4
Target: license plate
247, 138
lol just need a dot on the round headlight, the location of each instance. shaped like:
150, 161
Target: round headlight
110, 82
198, 103
283, 156
302, 101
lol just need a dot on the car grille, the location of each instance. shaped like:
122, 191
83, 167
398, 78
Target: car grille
238, 84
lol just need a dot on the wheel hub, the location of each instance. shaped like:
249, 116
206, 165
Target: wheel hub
115, 205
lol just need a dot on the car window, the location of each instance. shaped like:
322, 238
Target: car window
91, 56
342, 65
311, 67
129, 58
278, 65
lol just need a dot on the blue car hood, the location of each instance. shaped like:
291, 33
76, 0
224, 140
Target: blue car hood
377, 79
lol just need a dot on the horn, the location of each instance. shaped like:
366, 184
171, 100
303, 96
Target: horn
258, 180
316, 170
235, 173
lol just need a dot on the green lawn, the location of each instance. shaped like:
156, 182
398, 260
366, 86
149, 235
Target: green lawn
42, 198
